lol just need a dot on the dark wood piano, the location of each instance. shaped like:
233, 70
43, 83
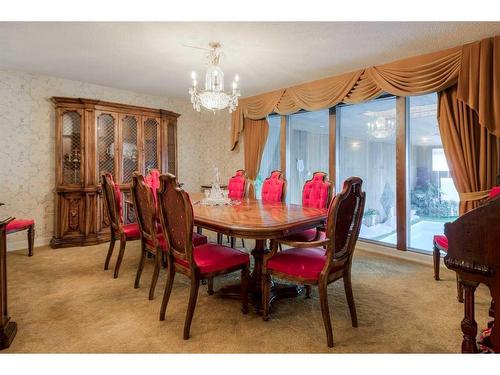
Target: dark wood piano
474, 253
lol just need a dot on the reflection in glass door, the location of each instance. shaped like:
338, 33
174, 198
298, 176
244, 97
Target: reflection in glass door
307, 150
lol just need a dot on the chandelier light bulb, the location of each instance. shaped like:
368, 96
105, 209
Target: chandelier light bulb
195, 82
193, 75
236, 78
235, 85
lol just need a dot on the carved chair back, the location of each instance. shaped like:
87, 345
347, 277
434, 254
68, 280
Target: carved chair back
344, 220
144, 209
274, 188
176, 215
237, 185
317, 191
113, 199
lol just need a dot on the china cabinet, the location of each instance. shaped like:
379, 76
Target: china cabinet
93, 137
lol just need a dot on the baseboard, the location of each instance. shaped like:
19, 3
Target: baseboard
21, 244
394, 253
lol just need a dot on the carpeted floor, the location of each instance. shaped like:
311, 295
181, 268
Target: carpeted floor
64, 302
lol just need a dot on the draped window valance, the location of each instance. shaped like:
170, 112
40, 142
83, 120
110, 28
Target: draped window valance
474, 68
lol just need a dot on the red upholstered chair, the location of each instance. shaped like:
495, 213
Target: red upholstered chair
152, 240
237, 190
119, 231
195, 262
440, 245
316, 193
153, 180
274, 188
18, 225
310, 263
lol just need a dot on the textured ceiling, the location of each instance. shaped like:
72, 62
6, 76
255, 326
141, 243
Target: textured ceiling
150, 57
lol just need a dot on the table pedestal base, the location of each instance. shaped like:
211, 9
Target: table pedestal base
7, 334
278, 291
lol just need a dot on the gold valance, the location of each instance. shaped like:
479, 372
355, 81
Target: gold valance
475, 66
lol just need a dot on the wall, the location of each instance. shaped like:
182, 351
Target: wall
27, 143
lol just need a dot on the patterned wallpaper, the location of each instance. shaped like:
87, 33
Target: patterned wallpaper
27, 143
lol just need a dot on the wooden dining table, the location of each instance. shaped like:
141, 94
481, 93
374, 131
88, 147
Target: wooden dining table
260, 221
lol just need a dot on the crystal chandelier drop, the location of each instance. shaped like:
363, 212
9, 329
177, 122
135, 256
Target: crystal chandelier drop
213, 97
381, 127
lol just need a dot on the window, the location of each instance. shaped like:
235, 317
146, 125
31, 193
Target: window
367, 149
307, 146
271, 157
433, 199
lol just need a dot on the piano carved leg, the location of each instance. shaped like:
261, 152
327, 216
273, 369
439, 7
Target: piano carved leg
469, 325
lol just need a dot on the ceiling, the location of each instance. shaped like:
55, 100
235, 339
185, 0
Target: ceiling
150, 57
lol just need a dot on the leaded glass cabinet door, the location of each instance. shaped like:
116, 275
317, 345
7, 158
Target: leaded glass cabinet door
71, 148
107, 144
129, 151
172, 148
151, 134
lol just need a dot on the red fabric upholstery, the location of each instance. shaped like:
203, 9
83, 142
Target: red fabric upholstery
212, 258
19, 224
495, 192
307, 235
236, 186
153, 180
131, 231
315, 192
306, 263
441, 242
198, 240
272, 188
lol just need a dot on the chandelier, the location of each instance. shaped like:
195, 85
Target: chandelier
381, 127
213, 97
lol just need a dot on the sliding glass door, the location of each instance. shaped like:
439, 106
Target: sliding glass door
432, 197
367, 149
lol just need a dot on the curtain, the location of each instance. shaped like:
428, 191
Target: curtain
479, 81
471, 150
413, 76
255, 139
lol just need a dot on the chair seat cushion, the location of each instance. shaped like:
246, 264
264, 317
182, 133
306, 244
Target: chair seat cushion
131, 231
495, 192
441, 242
307, 235
19, 224
211, 257
198, 240
305, 263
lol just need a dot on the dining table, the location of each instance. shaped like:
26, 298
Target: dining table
262, 222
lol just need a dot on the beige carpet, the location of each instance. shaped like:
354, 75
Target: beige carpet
63, 301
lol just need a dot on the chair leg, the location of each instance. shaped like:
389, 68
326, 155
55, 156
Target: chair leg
123, 243
266, 287
193, 295
243, 243
308, 291
325, 311
141, 267
350, 299
168, 290
233, 240
156, 273
219, 239
110, 253
31, 239
199, 230
210, 289
244, 289
460, 290
436, 257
